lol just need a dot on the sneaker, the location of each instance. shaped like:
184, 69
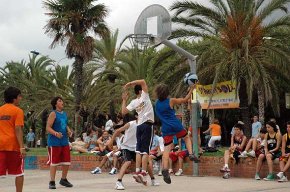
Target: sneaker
226, 175
154, 182
51, 185
166, 176
243, 154
97, 170
252, 154
192, 157
283, 179
65, 182
225, 169
257, 176
119, 185
135, 176
159, 173
280, 175
270, 177
142, 177
113, 171
170, 171
179, 172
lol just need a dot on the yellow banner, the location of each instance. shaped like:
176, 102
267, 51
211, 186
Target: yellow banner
223, 96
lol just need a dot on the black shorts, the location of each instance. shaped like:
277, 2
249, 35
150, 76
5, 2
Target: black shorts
128, 155
144, 138
157, 157
276, 154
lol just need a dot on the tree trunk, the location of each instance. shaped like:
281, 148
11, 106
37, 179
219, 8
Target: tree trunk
44, 117
261, 104
244, 108
78, 90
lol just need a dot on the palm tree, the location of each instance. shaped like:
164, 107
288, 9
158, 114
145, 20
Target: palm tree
72, 22
236, 34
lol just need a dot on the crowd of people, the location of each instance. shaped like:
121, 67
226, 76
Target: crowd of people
266, 144
136, 138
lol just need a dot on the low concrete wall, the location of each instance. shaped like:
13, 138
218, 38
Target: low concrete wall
209, 166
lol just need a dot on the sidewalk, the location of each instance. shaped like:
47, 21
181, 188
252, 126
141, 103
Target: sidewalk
37, 181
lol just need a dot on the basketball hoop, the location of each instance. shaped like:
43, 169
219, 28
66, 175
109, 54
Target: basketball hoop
141, 41
141, 38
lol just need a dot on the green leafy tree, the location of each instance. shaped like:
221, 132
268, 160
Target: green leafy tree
71, 22
242, 43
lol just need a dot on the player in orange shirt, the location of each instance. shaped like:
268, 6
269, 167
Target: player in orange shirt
215, 130
12, 151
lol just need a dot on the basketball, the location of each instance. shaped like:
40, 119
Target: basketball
190, 79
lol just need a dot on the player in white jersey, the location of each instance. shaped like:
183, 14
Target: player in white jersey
128, 147
144, 134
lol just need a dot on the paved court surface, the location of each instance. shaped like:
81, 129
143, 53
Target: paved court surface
37, 181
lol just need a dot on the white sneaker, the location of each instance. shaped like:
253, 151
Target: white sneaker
280, 175
113, 171
169, 171
257, 176
283, 179
251, 154
119, 186
97, 170
179, 172
154, 182
160, 173
243, 154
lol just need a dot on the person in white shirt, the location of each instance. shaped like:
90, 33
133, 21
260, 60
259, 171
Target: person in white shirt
143, 106
156, 152
109, 126
128, 147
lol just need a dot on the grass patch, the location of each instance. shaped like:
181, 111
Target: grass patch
43, 152
219, 153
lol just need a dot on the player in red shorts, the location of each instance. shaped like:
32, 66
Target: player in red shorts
57, 141
12, 151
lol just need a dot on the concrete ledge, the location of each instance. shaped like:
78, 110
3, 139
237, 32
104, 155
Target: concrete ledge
209, 166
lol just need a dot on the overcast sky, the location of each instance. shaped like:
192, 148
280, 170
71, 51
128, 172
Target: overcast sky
22, 22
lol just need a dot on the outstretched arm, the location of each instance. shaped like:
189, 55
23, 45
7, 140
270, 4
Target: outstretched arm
124, 103
176, 101
141, 82
117, 132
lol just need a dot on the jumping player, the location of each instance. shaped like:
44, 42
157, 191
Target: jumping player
171, 125
12, 151
57, 141
143, 107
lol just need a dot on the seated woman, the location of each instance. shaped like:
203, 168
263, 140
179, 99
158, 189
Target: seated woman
91, 141
85, 144
238, 143
215, 130
272, 148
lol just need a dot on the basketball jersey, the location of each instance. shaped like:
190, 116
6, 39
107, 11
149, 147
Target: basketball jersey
238, 140
170, 123
271, 142
143, 107
129, 140
287, 150
59, 125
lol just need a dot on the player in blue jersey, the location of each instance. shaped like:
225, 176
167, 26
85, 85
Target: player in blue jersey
171, 125
58, 145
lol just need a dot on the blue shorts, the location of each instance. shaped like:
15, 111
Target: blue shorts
144, 137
